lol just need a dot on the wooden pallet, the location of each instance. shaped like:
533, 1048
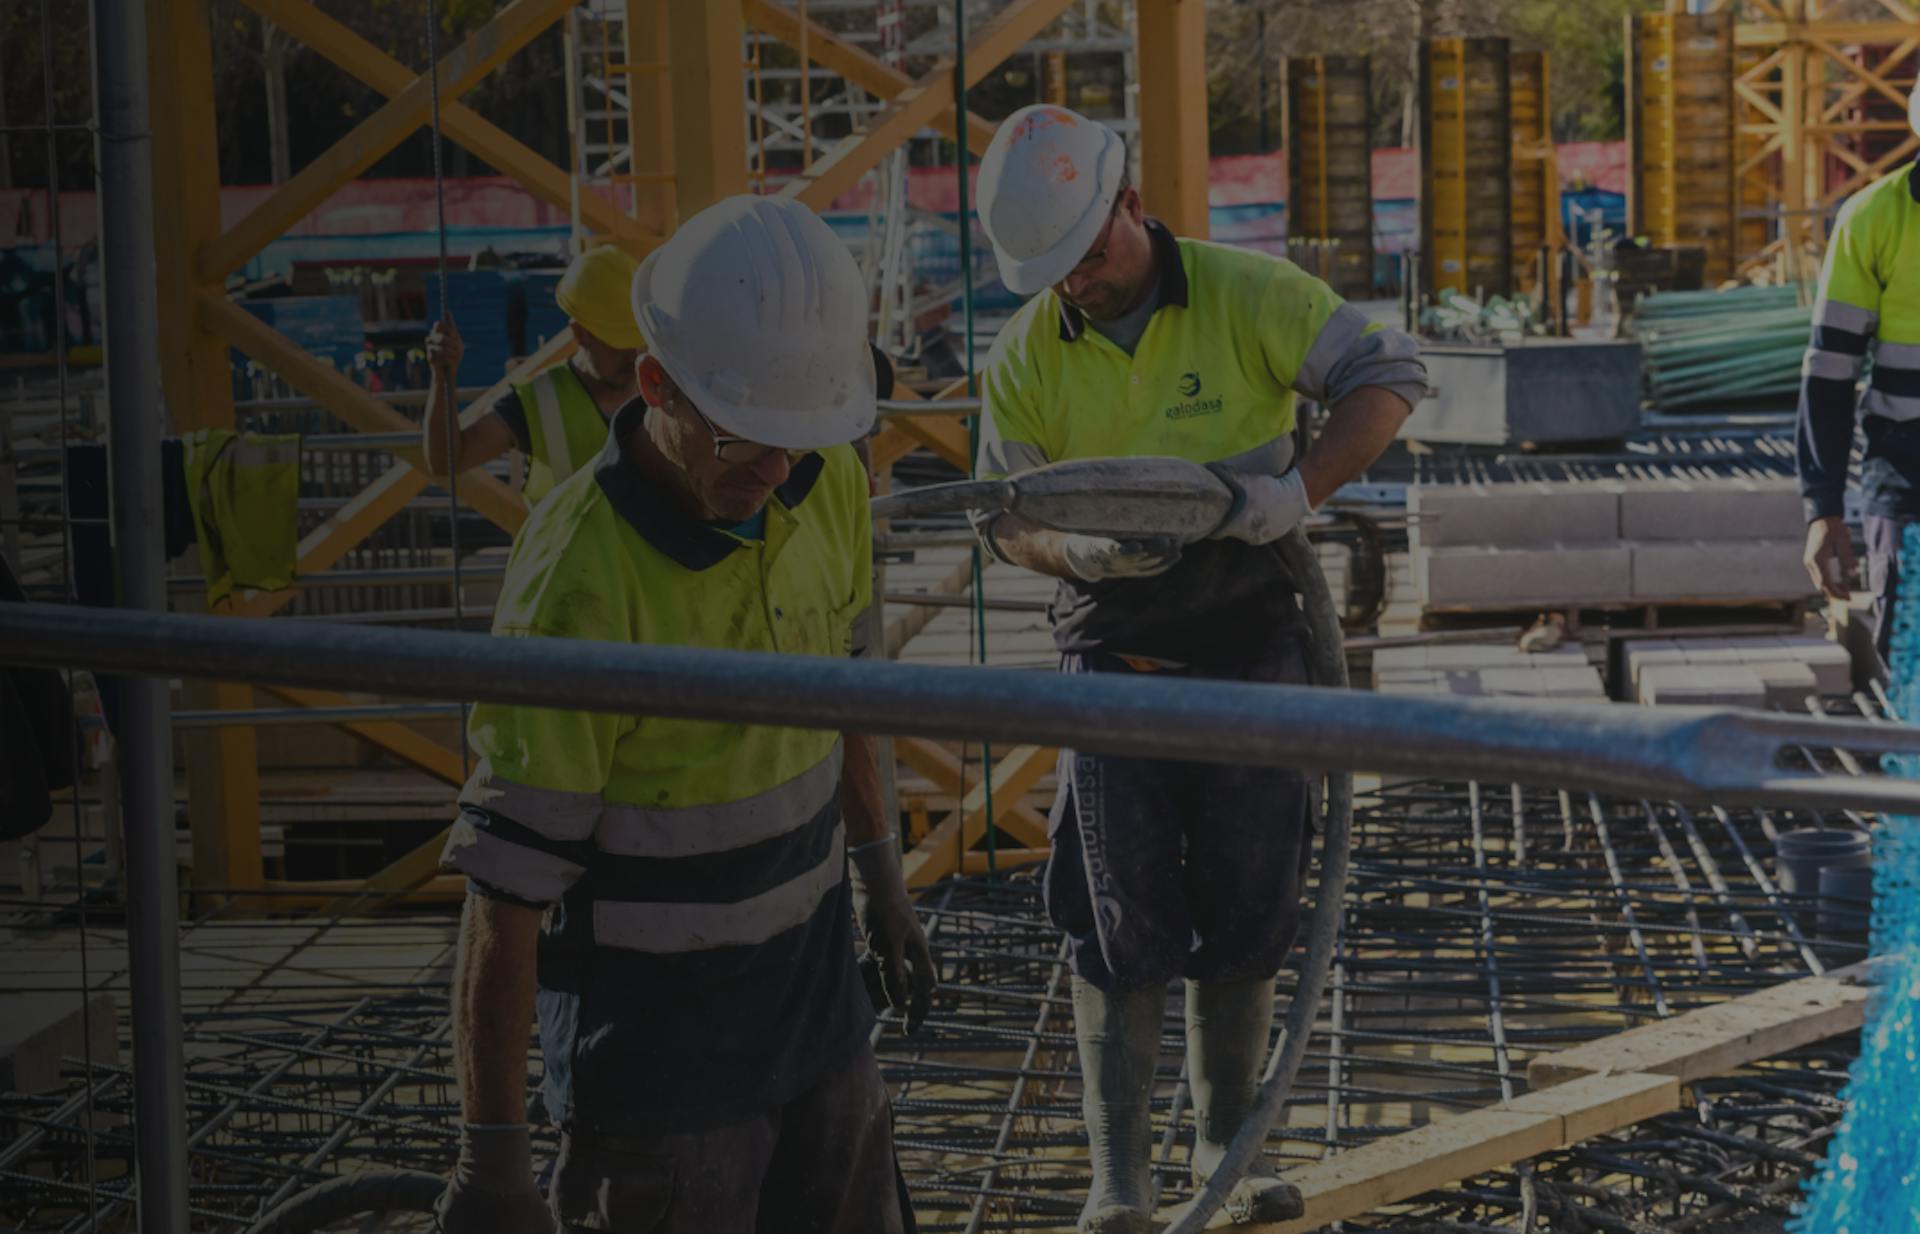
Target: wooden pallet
1750, 616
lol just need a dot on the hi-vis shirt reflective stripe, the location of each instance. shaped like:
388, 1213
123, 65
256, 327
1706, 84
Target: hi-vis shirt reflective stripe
684, 835
553, 429
1868, 303
565, 428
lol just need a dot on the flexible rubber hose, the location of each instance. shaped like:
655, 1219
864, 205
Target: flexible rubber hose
1328, 667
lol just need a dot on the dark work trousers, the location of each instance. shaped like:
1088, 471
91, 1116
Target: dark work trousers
1166, 869
820, 1164
1883, 576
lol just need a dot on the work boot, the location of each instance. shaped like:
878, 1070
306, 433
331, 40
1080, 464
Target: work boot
1227, 1027
1119, 1037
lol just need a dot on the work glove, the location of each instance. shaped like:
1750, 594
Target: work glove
892, 929
1265, 508
492, 1189
1094, 559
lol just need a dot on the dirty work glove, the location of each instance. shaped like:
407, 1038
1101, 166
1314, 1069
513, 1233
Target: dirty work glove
1094, 559
1264, 507
891, 928
492, 1189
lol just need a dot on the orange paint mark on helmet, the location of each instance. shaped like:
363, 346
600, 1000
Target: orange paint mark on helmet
1060, 169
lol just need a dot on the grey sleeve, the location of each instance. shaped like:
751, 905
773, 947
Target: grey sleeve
999, 457
1345, 358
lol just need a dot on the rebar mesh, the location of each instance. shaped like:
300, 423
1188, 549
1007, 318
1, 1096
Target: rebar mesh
1485, 925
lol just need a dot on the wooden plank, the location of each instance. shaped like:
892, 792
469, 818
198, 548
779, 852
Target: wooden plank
854, 63
919, 104
487, 49
336, 392
942, 766
1400, 1167
943, 433
1413, 1162
1721, 1038
944, 849
369, 64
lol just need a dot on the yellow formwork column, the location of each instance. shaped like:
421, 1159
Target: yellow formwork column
1170, 48
1330, 170
1680, 91
1466, 162
1536, 171
708, 84
223, 776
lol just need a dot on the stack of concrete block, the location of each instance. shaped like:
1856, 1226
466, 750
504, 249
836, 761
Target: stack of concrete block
1495, 670
1776, 671
1553, 543
1512, 545
1714, 539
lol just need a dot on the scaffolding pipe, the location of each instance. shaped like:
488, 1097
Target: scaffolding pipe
146, 742
1722, 755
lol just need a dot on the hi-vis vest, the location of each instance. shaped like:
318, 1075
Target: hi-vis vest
565, 427
699, 963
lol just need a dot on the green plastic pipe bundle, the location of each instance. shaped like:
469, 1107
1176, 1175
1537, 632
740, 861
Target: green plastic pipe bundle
1741, 345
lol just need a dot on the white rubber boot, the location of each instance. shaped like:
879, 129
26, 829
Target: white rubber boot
1119, 1037
1227, 1027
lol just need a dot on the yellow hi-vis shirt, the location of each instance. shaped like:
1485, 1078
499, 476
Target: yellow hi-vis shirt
700, 963
1237, 336
1869, 302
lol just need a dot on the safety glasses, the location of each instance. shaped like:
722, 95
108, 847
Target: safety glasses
738, 451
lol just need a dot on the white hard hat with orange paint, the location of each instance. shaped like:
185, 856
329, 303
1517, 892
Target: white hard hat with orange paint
1047, 184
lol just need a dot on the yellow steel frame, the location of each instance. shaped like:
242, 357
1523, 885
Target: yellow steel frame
684, 74
1536, 171
1798, 148
1443, 192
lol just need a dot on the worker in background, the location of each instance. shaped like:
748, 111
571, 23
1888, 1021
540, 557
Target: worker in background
703, 1024
1141, 343
1869, 297
558, 419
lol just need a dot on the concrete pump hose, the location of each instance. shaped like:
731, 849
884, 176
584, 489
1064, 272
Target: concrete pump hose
1328, 665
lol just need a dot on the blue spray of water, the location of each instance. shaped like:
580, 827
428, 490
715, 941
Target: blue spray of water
1870, 1182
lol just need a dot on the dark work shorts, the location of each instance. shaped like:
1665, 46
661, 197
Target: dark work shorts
1165, 869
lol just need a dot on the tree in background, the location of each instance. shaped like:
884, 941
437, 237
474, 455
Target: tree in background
1583, 38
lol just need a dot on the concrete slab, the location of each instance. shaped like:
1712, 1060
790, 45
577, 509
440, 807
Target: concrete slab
1788, 683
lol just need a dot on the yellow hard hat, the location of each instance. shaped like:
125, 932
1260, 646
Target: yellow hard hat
596, 291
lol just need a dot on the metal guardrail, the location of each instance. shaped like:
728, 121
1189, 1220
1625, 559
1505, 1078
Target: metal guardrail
1675, 753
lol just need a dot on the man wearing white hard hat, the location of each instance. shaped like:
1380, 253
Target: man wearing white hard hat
703, 1025
1140, 343
1869, 302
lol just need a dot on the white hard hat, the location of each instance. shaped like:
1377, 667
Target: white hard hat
1047, 184
759, 314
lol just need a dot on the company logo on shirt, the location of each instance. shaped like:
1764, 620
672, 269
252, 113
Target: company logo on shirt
1189, 387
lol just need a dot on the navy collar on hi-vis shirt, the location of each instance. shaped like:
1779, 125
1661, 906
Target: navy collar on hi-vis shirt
1173, 280
657, 515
